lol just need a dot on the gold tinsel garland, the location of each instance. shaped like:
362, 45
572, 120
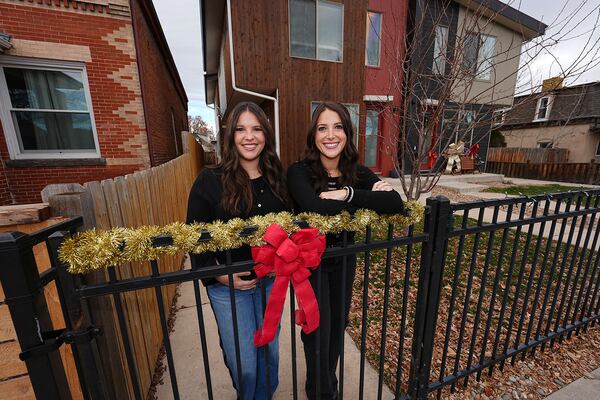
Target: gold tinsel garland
98, 249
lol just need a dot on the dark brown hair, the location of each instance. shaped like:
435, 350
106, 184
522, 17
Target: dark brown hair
237, 188
349, 156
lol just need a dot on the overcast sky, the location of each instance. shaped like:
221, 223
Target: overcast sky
181, 25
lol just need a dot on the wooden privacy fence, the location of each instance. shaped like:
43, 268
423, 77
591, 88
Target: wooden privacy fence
527, 155
570, 172
157, 196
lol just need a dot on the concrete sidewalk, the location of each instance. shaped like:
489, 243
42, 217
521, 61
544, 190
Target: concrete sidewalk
187, 355
586, 388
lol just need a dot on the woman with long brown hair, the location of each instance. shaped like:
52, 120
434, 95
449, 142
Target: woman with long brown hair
330, 180
247, 182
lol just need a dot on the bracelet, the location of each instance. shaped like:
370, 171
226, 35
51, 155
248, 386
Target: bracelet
350, 194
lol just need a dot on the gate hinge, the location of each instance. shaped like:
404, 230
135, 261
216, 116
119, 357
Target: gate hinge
54, 339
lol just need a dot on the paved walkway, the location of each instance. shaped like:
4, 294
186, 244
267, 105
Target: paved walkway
187, 354
585, 388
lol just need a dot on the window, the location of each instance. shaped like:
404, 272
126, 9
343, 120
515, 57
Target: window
498, 116
46, 110
439, 50
479, 54
598, 149
316, 29
373, 51
544, 145
542, 111
354, 111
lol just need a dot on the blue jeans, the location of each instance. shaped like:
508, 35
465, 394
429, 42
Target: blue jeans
252, 359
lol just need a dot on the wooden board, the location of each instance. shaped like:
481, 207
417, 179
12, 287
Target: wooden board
17, 389
10, 365
7, 330
24, 214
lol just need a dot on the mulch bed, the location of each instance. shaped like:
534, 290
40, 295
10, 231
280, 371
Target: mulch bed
533, 378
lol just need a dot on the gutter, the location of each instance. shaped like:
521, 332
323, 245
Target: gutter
275, 99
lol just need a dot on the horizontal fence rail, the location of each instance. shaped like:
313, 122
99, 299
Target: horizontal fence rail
433, 306
528, 155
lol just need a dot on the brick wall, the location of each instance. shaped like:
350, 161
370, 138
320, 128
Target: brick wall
165, 102
104, 41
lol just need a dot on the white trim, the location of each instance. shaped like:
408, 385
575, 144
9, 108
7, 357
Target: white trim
12, 139
235, 88
550, 98
430, 102
502, 112
380, 40
378, 98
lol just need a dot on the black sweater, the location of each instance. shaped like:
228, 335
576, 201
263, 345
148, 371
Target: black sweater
204, 205
306, 198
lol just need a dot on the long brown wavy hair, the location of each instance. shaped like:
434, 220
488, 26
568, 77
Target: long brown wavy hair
237, 188
348, 158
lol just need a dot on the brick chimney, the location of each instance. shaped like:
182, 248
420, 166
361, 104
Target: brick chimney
552, 84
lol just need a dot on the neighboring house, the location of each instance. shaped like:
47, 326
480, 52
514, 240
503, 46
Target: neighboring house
386, 24
559, 117
287, 55
88, 91
481, 37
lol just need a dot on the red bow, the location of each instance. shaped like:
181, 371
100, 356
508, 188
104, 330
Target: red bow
290, 258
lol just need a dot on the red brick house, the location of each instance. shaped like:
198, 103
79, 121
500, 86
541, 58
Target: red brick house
386, 25
88, 91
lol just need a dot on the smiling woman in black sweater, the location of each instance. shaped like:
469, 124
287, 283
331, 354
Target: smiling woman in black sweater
330, 180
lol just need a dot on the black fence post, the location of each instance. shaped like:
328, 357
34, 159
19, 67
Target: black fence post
24, 295
77, 319
437, 226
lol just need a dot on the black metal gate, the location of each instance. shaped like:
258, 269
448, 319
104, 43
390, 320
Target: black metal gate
486, 269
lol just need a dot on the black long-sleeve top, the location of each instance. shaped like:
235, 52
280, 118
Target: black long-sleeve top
306, 199
204, 205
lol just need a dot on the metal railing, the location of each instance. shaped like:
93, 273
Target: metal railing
476, 285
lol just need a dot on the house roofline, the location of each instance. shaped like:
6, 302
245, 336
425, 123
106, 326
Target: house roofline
508, 16
155, 27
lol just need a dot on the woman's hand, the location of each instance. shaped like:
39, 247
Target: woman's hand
382, 186
339, 194
238, 282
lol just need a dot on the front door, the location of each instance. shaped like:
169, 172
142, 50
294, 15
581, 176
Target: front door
428, 139
372, 137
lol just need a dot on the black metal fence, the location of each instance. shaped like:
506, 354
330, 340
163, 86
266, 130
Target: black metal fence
475, 286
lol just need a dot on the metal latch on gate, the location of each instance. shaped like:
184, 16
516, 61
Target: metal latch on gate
54, 339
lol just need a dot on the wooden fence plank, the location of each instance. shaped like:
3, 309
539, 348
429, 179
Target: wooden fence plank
17, 389
569, 172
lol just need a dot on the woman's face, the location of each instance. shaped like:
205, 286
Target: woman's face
249, 137
330, 137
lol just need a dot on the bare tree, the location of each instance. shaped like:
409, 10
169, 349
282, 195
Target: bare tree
457, 71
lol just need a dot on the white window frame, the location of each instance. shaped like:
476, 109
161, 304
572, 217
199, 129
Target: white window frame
10, 132
440, 59
317, 33
356, 128
545, 144
548, 108
502, 112
379, 41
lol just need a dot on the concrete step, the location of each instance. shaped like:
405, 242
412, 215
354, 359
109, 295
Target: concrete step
488, 179
462, 187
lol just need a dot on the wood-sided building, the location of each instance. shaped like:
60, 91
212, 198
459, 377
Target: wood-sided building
286, 55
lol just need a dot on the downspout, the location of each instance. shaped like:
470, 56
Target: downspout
275, 99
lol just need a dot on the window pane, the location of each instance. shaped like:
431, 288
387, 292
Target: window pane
373, 38
372, 132
470, 52
439, 50
598, 149
353, 111
303, 28
330, 31
543, 109
53, 131
50, 90
486, 57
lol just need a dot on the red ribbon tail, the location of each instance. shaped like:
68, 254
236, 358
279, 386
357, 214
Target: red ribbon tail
309, 308
267, 332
